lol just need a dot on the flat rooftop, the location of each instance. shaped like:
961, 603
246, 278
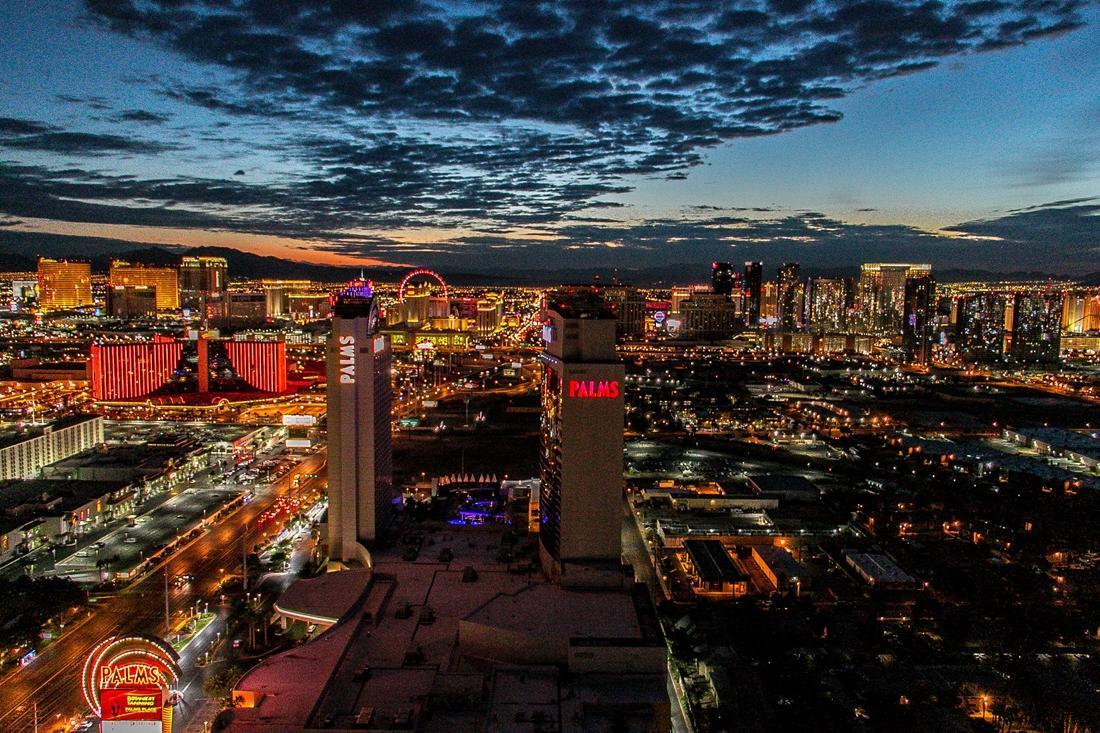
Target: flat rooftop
326, 598
579, 302
14, 436
396, 653
549, 611
712, 562
23, 500
789, 484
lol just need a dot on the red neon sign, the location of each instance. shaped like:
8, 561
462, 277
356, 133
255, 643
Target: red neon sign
131, 705
594, 390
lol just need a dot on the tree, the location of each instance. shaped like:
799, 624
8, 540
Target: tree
219, 685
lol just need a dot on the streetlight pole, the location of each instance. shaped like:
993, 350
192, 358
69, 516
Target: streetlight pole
167, 613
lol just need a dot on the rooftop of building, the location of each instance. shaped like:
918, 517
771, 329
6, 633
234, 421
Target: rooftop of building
579, 302
787, 484
144, 458
1084, 443
14, 436
879, 567
780, 561
22, 500
712, 562
397, 650
326, 598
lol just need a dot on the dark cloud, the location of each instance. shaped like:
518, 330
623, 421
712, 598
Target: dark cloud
670, 77
141, 115
498, 116
10, 127
1050, 240
17, 134
1062, 230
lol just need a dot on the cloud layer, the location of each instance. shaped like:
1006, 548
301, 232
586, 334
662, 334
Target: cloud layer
507, 120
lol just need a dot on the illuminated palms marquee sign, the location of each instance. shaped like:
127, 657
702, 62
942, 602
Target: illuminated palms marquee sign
127, 682
591, 389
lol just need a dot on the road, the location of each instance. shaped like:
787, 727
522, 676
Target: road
53, 679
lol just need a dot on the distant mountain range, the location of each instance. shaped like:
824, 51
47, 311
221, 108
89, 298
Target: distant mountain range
19, 252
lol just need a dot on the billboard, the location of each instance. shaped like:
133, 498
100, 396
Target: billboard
298, 443
299, 419
131, 705
127, 682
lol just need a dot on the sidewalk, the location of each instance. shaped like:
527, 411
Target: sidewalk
201, 721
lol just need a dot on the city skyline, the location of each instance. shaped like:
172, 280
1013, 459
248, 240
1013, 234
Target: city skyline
655, 135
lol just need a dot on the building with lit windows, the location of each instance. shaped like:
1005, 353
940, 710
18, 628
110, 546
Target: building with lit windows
18, 291
360, 398
1036, 327
63, 284
917, 324
752, 284
723, 280
278, 293
24, 452
164, 279
709, 317
827, 303
790, 296
125, 371
1081, 311
490, 310
581, 444
204, 288
980, 326
881, 293
131, 301
629, 305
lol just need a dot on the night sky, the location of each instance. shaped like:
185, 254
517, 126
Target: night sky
531, 136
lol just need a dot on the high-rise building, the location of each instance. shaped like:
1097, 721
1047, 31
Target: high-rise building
722, 279
360, 397
581, 446
918, 316
22, 294
490, 310
1081, 311
629, 307
881, 295
790, 295
306, 307
247, 306
752, 286
769, 303
164, 279
980, 327
709, 316
24, 452
63, 284
204, 288
416, 304
131, 301
133, 370
827, 303
277, 295
1036, 327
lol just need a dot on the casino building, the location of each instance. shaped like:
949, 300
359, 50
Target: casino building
128, 371
581, 441
360, 463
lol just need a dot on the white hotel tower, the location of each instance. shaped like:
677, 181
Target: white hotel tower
360, 452
581, 449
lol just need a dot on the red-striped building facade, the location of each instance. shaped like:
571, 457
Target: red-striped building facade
128, 371
134, 370
262, 364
